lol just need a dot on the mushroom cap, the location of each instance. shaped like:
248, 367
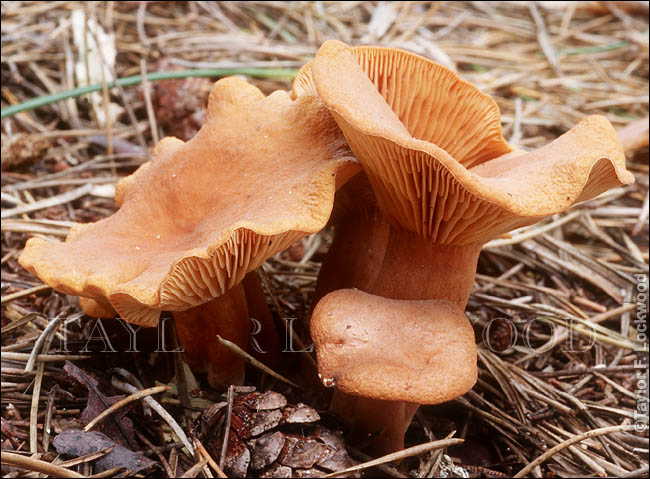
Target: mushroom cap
432, 148
417, 351
96, 308
260, 174
429, 100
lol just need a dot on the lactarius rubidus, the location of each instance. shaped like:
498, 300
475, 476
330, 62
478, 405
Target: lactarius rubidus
445, 179
260, 174
392, 355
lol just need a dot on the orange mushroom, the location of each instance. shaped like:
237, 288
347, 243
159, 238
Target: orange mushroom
227, 316
397, 353
444, 177
360, 239
360, 230
260, 174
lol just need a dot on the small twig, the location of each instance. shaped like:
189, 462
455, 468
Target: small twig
49, 411
431, 466
51, 326
226, 426
87, 458
19, 322
56, 200
564, 444
36, 465
142, 11
48, 334
391, 471
643, 216
395, 456
254, 362
516, 128
544, 39
125, 101
24, 292
157, 452
46, 358
146, 87
637, 472
133, 397
195, 469
162, 412
199, 446
583, 371
134, 382
180, 373
532, 232
112, 472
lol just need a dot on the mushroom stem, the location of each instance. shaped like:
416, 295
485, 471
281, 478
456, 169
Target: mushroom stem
198, 327
360, 239
355, 256
385, 421
412, 268
97, 308
265, 341
415, 268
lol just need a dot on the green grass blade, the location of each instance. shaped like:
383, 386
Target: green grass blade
137, 79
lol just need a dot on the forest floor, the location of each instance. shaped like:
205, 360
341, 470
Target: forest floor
571, 291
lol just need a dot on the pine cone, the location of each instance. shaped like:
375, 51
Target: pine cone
270, 438
500, 338
21, 149
180, 105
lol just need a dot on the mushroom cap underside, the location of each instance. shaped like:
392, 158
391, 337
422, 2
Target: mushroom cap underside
420, 185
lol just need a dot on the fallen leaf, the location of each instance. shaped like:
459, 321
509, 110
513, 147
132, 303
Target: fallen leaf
76, 443
117, 426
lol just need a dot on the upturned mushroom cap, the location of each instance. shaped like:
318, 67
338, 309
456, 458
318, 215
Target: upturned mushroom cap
417, 351
260, 174
432, 148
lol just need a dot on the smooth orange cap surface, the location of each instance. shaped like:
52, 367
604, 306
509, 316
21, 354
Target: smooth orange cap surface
422, 352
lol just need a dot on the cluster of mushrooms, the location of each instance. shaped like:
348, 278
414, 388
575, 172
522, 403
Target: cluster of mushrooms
423, 178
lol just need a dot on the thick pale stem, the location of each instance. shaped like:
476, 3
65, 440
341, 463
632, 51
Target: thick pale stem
198, 327
97, 308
